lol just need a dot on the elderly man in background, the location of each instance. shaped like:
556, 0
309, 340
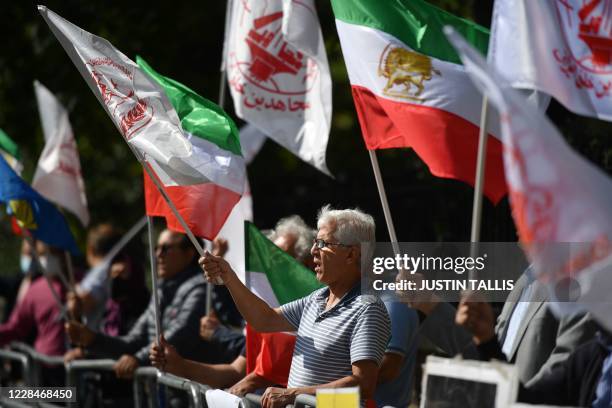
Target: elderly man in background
361, 327
182, 300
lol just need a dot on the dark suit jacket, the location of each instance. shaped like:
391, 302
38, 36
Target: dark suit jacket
541, 341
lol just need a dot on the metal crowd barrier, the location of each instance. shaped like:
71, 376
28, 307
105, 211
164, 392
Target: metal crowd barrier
252, 400
35, 362
305, 401
73, 368
149, 375
193, 389
21, 359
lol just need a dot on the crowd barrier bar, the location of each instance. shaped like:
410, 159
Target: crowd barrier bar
184, 384
305, 401
20, 358
150, 375
35, 361
74, 366
252, 400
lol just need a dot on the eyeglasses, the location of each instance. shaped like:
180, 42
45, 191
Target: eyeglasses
320, 244
164, 248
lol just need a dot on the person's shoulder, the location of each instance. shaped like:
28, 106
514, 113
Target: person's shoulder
196, 282
371, 303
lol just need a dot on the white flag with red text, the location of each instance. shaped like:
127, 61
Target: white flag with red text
561, 203
561, 47
58, 173
278, 74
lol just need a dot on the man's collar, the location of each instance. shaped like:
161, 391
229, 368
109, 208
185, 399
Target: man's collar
347, 297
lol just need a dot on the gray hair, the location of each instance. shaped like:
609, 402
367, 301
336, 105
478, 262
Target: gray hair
294, 225
352, 227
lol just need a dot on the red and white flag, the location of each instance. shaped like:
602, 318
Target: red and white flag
561, 203
278, 74
58, 173
561, 47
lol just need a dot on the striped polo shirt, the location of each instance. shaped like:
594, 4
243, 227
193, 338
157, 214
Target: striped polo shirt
328, 342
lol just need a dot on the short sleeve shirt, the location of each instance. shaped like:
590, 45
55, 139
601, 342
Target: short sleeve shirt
328, 342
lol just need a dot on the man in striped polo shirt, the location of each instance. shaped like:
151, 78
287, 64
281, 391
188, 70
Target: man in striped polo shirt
341, 334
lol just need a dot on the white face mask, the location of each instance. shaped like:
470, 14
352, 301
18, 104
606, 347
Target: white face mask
25, 262
51, 265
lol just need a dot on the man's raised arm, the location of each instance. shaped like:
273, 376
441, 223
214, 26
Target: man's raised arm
255, 311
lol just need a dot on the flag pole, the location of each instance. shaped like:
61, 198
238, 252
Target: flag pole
384, 202
228, 13
479, 181
178, 216
158, 324
70, 271
54, 294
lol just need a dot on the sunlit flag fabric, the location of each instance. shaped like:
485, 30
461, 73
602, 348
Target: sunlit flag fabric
410, 89
210, 163
58, 173
277, 278
272, 274
33, 212
563, 48
278, 74
10, 151
561, 203
204, 206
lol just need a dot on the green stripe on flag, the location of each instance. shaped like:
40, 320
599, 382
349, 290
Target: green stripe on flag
198, 115
7, 144
289, 279
416, 23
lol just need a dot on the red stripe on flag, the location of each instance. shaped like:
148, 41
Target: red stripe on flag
446, 142
204, 207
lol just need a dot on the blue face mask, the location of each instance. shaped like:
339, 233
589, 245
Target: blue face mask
25, 262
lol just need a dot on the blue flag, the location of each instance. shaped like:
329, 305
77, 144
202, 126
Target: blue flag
33, 212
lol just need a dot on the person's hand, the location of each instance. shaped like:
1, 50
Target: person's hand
120, 269
219, 247
216, 269
74, 354
422, 300
240, 389
277, 397
79, 334
125, 366
165, 357
74, 305
477, 316
208, 325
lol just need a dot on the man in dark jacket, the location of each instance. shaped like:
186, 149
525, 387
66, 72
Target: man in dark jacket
182, 301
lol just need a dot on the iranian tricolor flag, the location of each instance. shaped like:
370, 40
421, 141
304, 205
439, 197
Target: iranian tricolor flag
410, 89
272, 274
215, 139
191, 144
277, 278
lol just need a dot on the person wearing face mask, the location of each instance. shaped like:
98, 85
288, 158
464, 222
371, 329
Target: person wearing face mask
38, 313
15, 285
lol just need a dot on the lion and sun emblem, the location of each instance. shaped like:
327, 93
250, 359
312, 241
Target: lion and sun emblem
405, 71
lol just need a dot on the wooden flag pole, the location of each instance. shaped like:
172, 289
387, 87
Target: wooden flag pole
154, 283
384, 202
479, 182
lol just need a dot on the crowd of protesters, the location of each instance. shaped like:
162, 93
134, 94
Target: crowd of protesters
335, 337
